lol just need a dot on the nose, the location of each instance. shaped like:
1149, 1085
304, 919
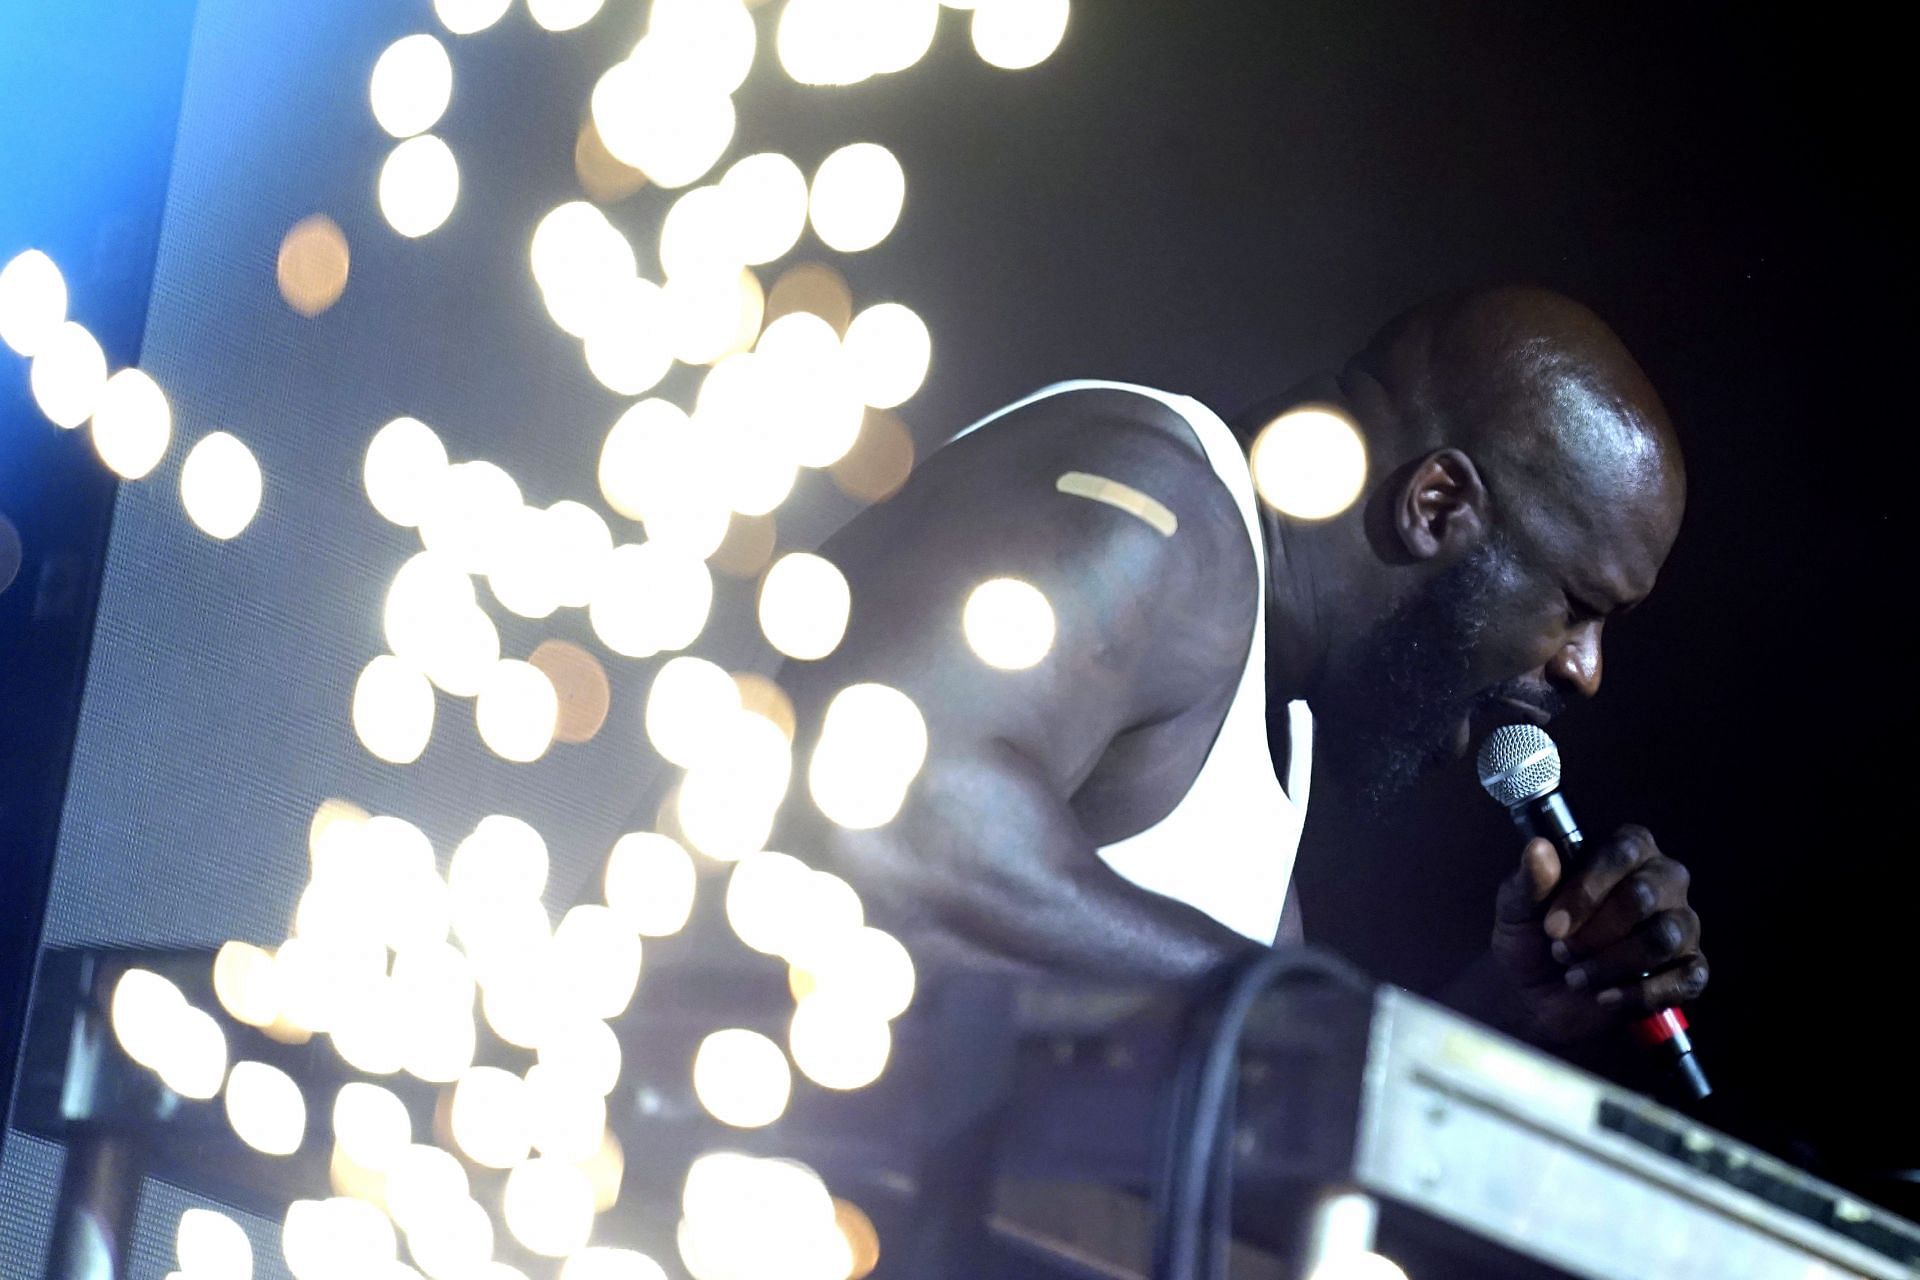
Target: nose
1576, 666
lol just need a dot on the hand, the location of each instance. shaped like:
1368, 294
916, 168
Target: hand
1615, 940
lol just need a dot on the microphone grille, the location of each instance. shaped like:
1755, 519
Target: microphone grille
1517, 763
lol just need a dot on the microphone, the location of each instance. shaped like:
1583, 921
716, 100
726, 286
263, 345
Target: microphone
1520, 768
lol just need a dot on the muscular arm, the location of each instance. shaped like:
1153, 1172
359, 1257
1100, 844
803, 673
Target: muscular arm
987, 848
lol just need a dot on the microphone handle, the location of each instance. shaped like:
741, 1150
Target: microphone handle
1665, 1030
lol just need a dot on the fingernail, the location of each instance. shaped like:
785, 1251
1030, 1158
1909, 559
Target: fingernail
1609, 998
1560, 952
1577, 978
1557, 922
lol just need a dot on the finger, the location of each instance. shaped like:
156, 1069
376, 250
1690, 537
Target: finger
1609, 862
1659, 885
1657, 944
1661, 991
1529, 886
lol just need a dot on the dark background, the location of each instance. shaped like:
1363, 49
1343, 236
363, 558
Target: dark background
1218, 198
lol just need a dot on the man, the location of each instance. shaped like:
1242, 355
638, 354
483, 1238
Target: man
1114, 810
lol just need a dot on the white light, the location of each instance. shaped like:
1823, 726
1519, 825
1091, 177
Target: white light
212, 1246
411, 86
69, 372
466, 649
517, 572
319, 977
220, 485
1017, 34
467, 516
766, 896
839, 1043
713, 40
597, 959
548, 1206
405, 463
371, 1125
566, 1121
628, 346
1008, 624
727, 803
650, 883
489, 1117
825, 907
196, 1060
611, 1264
563, 15
265, 1108
33, 301
393, 710
651, 599
244, 982
688, 708
464, 17
581, 262
504, 857
825, 42
900, 33
453, 1242
584, 1051
422, 1181
871, 747
805, 373
864, 967
769, 197
577, 545
888, 350
341, 1236
517, 710
700, 234
713, 314
804, 605
1309, 463
741, 1078
143, 1012
419, 185
131, 424
857, 195
654, 113
1361, 1265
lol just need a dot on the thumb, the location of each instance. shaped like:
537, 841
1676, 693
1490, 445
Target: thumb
1523, 892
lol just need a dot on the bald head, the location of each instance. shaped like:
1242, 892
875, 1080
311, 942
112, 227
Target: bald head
1537, 390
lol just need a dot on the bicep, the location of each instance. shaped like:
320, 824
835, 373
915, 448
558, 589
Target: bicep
1139, 628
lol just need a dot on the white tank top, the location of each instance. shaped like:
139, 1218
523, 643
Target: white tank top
1228, 847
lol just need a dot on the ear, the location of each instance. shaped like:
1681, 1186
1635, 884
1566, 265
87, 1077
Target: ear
1443, 506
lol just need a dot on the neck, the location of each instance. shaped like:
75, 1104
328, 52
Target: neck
1297, 635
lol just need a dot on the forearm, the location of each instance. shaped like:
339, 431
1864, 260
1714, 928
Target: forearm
984, 851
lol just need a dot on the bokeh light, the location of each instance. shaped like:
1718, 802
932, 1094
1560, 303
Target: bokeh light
581, 684
143, 1011
748, 1217
393, 710
689, 707
563, 15
865, 967
655, 113
749, 544
465, 17
244, 983
131, 424
1309, 463
741, 1078
548, 1206
768, 198
210, 1245
856, 197
580, 261
813, 287
804, 605
339, 1236
412, 84
888, 350
596, 960
861, 1237
196, 1055
628, 341
405, 464
419, 185
33, 301
880, 460
603, 176
803, 370
602, 1263
1008, 623
371, 1125
490, 1119
760, 695
468, 513
712, 40
220, 485
651, 599
1358, 1264
565, 1121
583, 1051
1016, 34
872, 744
265, 1108
313, 265
453, 1242
650, 881
68, 374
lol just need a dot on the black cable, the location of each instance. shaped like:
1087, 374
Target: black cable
1194, 1214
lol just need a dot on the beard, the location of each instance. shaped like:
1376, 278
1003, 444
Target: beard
1397, 702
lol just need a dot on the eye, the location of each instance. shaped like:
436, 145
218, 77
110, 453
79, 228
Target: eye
1579, 611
